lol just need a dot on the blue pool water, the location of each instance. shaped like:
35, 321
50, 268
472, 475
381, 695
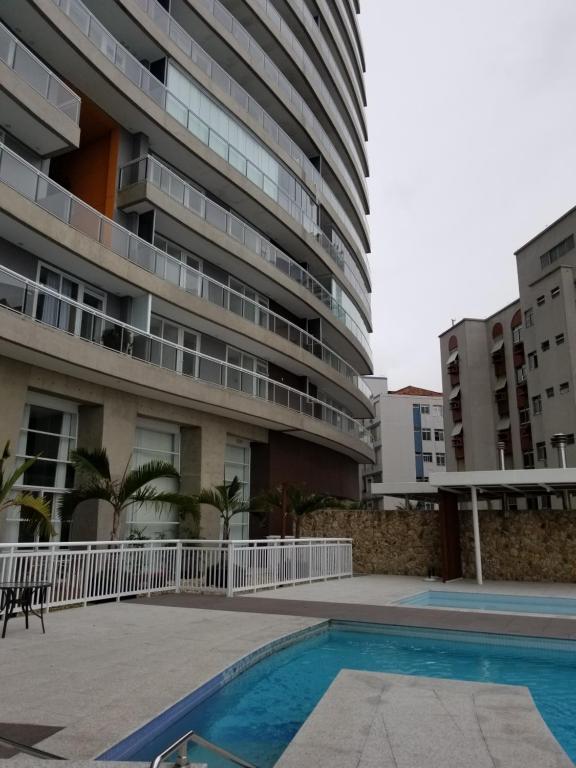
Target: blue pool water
492, 602
258, 712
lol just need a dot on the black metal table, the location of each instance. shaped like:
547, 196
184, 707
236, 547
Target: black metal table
24, 595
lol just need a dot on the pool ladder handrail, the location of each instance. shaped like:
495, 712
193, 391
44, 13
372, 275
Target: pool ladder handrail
181, 745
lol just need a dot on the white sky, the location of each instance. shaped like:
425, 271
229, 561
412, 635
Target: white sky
472, 149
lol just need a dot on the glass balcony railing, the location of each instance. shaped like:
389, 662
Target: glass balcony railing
151, 170
198, 56
46, 306
37, 75
307, 65
36, 186
224, 17
197, 125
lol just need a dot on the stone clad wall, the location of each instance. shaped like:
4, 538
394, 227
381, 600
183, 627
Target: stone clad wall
522, 546
517, 546
394, 542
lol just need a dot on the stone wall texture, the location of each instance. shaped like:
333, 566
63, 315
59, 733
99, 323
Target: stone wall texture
522, 546
517, 546
394, 542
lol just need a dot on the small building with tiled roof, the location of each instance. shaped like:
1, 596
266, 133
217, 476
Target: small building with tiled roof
408, 432
417, 391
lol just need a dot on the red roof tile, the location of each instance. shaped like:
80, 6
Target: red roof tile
415, 391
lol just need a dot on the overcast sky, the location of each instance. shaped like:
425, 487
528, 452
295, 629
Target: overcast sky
472, 149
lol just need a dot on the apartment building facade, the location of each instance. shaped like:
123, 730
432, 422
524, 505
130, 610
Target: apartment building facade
509, 380
408, 435
183, 260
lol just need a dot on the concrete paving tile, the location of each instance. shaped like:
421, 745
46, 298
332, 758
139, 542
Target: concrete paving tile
424, 723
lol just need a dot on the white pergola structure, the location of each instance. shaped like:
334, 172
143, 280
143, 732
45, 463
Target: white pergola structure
489, 484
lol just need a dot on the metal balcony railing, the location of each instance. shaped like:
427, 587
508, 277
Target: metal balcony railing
36, 186
200, 58
27, 66
48, 307
129, 65
153, 171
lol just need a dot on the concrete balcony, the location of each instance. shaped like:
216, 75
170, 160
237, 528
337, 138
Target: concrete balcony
35, 105
239, 46
48, 221
140, 181
153, 24
137, 100
42, 327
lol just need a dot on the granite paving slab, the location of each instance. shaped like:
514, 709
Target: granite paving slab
375, 720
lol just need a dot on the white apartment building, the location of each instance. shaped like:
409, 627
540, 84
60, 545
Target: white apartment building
408, 433
183, 246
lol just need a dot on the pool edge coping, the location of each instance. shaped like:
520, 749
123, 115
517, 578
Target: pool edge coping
120, 750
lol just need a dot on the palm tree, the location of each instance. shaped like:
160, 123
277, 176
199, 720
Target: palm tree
35, 508
227, 499
296, 501
134, 487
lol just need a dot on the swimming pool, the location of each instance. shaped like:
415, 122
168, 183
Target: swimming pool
485, 601
257, 713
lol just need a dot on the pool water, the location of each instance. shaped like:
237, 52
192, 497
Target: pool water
258, 713
482, 601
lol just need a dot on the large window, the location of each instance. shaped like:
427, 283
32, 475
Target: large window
155, 441
237, 464
225, 135
49, 429
241, 377
52, 311
169, 356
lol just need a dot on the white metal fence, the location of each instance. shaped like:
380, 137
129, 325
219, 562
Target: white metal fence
83, 572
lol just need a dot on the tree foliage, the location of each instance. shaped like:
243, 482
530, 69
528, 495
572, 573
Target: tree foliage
135, 487
34, 509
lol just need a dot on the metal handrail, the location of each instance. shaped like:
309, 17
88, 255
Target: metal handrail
198, 56
127, 343
150, 169
181, 745
34, 751
73, 211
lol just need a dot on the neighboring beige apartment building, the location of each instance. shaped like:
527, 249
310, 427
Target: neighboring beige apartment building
183, 246
408, 434
510, 380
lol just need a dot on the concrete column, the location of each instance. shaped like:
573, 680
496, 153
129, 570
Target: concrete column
213, 449
111, 426
190, 471
14, 379
476, 528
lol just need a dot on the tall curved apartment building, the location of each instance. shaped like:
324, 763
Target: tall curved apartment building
183, 240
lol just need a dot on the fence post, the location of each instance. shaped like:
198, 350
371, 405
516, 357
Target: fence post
310, 552
177, 580
87, 574
119, 572
149, 570
50, 578
230, 570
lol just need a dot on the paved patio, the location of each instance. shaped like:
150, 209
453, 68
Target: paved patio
102, 671
386, 590
374, 598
